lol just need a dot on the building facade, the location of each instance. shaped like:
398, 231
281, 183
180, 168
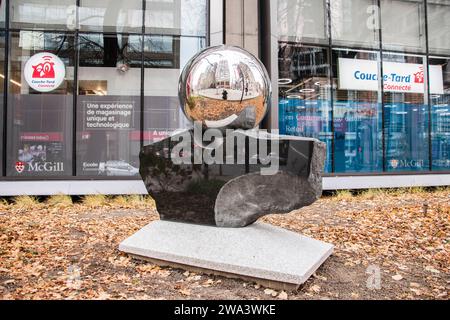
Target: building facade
370, 78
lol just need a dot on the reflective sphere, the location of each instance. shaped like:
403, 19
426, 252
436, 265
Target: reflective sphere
225, 87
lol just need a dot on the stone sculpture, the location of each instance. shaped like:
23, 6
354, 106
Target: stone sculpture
224, 172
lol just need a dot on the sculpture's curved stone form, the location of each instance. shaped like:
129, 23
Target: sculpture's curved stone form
236, 191
245, 199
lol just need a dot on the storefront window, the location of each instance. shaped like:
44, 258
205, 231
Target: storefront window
2, 13
405, 113
108, 108
439, 26
403, 25
355, 23
304, 97
302, 20
440, 113
43, 14
357, 111
164, 57
176, 17
2, 84
111, 15
40, 118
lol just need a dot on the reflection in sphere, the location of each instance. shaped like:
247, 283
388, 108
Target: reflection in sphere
225, 87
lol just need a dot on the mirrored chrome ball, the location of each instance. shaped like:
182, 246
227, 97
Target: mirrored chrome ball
225, 87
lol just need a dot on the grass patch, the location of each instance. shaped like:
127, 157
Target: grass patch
141, 201
120, 201
95, 201
133, 201
398, 192
59, 200
371, 194
26, 202
341, 195
445, 189
4, 205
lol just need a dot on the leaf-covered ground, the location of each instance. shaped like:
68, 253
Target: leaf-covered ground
389, 245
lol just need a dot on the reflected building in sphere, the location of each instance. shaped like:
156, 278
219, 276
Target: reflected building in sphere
225, 87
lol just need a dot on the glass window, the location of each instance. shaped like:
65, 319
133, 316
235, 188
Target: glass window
403, 25
111, 15
40, 123
176, 17
440, 112
439, 26
2, 13
405, 113
108, 109
302, 20
164, 57
43, 14
355, 23
304, 93
2, 80
357, 111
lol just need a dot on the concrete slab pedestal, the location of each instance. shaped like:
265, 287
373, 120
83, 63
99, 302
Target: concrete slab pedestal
271, 256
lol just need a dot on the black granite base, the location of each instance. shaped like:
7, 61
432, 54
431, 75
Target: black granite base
239, 189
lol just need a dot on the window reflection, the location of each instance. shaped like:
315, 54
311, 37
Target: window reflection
2, 79
439, 26
43, 14
303, 20
406, 114
2, 13
110, 15
39, 124
108, 110
355, 23
176, 17
440, 118
164, 57
357, 112
304, 97
403, 25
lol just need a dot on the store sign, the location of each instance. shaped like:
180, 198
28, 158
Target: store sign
40, 153
44, 72
357, 74
39, 166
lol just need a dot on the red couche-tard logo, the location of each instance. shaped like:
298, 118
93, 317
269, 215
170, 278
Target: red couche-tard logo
44, 69
44, 72
419, 76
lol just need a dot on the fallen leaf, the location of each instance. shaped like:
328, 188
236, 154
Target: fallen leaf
315, 288
185, 292
397, 277
320, 277
416, 291
283, 295
270, 292
432, 270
